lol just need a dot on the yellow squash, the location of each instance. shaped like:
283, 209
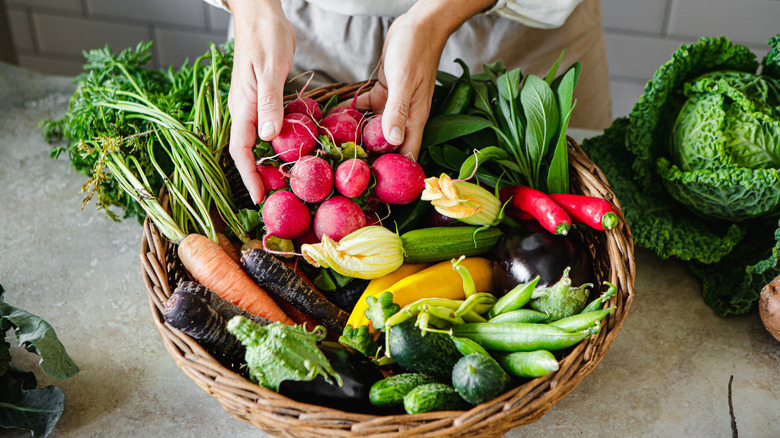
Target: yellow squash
418, 281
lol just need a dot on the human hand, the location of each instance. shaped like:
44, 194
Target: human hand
404, 87
262, 59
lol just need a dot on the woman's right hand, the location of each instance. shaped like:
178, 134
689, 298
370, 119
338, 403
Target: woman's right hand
262, 59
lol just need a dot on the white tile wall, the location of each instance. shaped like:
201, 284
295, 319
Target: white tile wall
49, 35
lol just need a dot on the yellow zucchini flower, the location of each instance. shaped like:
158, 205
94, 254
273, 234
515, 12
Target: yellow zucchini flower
462, 200
370, 252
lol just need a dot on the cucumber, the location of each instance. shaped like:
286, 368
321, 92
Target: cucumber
391, 390
433, 397
479, 378
445, 243
434, 354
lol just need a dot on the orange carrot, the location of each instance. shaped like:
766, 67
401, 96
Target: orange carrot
229, 247
213, 268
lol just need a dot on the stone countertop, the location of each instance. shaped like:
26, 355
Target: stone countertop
667, 373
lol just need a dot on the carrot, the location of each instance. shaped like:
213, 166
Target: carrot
282, 281
229, 247
213, 268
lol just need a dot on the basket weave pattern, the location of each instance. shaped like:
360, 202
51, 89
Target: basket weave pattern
280, 416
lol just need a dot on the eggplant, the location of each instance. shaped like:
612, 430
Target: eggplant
529, 250
358, 373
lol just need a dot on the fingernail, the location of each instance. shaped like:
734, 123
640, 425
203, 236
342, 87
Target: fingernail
396, 136
267, 130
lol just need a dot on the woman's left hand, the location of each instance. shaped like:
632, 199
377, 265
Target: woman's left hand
407, 71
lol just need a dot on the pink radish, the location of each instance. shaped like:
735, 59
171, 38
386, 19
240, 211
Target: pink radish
399, 179
340, 128
338, 216
285, 215
352, 112
273, 178
308, 237
298, 137
352, 177
304, 105
311, 179
374, 140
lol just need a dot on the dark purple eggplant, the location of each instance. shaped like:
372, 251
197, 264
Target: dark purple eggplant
358, 374
529, 250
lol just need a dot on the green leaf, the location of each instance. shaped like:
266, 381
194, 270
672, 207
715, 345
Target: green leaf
542, 118
480, 157
36, 410
482, 99
250, 218
509, 84
558, 173
380, 309
454, 156
38, 336
554, 69
494, 70
437, 155
446, 127
360, 339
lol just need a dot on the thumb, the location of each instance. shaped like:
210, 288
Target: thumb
395, 114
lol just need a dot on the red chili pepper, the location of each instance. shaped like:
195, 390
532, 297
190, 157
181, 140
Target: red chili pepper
589, 210
549, 214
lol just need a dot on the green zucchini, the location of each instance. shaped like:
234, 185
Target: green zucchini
445, 243
433, 397
479, 378
434, 353
391, 390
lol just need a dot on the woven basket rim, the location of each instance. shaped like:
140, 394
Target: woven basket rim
281, 416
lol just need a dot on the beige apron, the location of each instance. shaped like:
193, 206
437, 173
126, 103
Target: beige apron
343, 48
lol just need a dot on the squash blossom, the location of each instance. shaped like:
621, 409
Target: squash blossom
462, 200
370, 252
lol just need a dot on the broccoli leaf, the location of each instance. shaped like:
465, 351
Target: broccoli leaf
380, 309
22, 407
359, 339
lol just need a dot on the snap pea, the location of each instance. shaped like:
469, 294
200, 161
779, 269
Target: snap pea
528, 364
468, 346
582, 321
520, 336
519, 315
514, 299
473, 301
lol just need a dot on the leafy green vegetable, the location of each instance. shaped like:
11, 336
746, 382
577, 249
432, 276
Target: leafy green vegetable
380, 309
98, 123
526, 118
360, 339
704, 184
22, 406
279, 352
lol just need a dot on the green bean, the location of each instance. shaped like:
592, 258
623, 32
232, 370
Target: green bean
473, 316
519, 315
582, 321
472, 302
527, 364
444, 313
520, 336
514, 299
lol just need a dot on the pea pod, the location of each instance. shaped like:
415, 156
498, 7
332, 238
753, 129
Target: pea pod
528, 364
520, 336
519, 315
514, 299
468, 346
582, 321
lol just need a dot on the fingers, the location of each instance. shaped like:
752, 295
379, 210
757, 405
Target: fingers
243, 133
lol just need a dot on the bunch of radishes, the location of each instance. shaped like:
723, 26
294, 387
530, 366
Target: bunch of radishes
314, 193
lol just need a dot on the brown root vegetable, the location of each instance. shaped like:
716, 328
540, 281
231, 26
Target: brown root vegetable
769, 307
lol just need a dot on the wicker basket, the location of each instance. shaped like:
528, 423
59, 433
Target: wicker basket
281, 416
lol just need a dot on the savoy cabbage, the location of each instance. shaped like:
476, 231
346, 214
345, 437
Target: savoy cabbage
703, 185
